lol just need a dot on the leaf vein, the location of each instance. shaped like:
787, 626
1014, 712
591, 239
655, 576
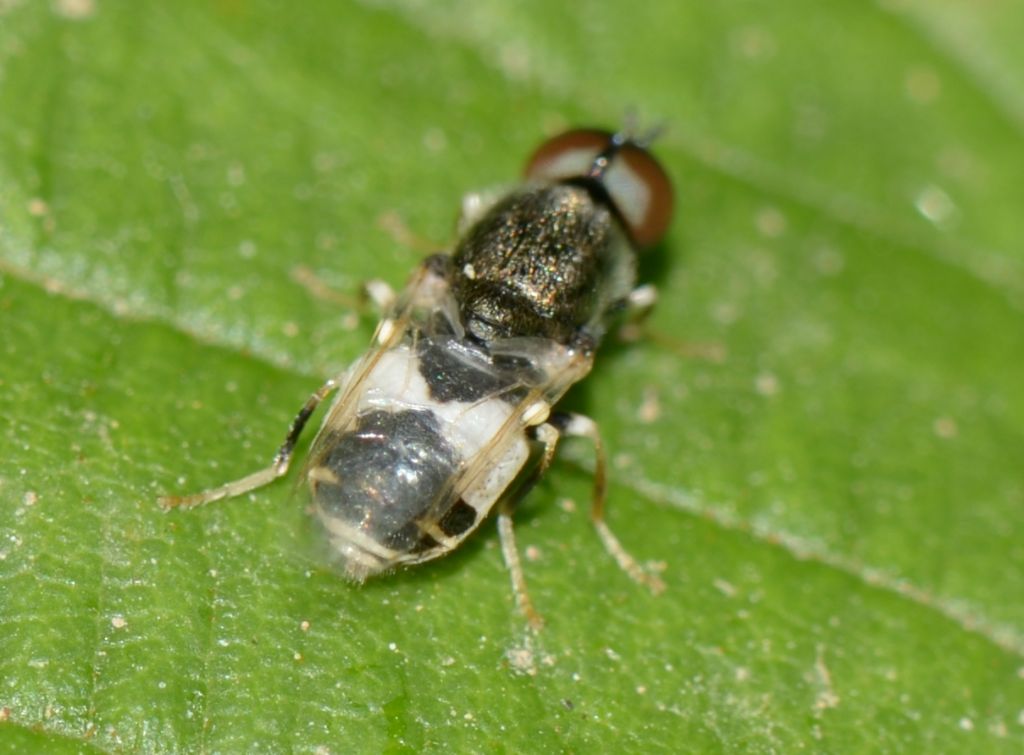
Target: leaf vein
960, 612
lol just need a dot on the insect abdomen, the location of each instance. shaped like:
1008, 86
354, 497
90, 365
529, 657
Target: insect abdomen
381, 478
384, 490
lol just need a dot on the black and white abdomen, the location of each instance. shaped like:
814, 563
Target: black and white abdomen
434, 426
385, 489
379, 480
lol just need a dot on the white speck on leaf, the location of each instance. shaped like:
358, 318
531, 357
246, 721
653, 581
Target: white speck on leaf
945, 427
75, 10
922, 84
770, 222
766, 384
726, 588
934, 204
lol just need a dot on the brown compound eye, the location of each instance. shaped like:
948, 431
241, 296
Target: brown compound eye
634, 180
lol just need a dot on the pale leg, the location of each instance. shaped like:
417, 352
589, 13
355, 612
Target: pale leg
548, 437
375, 291
277, 468
577, 425
637, 307
380, 293
510, 553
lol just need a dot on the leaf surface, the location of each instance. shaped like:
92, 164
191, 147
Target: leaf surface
837, 502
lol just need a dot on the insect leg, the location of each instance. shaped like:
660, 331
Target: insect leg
375, 292
548, 437
641, 301
277, 468
637, 307
380, 293
474, 207
515, 569
577, 425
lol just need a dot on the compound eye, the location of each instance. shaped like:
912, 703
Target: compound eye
568, 155
635, 182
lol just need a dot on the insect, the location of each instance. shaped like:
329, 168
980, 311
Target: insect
451, 412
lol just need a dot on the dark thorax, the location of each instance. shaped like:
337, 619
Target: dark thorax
542, 263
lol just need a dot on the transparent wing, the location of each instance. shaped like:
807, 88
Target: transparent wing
501, 449
480, 402
423, 306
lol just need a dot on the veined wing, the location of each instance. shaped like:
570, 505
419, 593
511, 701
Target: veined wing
425, 300
490, 433
429, 431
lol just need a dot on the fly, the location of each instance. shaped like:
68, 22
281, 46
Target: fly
451, 413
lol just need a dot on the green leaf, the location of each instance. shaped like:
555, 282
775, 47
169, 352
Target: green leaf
838, 501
